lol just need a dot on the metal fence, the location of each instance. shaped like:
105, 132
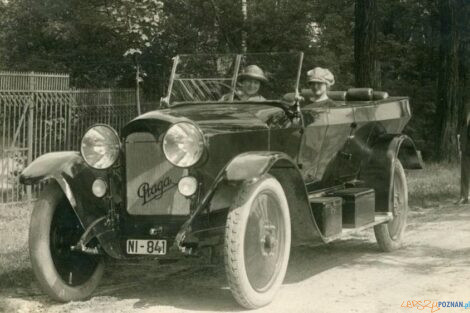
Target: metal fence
40, 113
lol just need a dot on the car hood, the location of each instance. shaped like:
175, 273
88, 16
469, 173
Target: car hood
211, 118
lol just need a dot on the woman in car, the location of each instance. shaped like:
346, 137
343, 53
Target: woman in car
320, 81
251, 79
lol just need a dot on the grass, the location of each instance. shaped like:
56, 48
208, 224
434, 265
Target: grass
435, 185
14, 259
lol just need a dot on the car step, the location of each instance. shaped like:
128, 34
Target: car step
380, 218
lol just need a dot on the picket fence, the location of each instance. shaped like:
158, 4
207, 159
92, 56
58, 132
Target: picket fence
40, 113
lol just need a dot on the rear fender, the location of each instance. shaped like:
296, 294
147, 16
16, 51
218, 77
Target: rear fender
378, 171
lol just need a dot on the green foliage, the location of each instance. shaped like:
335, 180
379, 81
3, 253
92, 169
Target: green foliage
136, 21
89, 39
62, 36
333, 46
408, 51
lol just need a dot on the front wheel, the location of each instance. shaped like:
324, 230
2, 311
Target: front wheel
257, 243
63, 274
390, 235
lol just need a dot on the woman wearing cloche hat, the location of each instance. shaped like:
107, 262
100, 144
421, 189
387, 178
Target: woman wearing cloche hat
251, 79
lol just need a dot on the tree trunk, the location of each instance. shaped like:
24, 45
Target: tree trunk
245, 17
464, 69
463, 89
448, 82
365, 40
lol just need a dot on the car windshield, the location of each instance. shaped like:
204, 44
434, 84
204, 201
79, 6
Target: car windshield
233, 77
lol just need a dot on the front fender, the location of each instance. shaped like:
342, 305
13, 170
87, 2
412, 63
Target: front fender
378, 170
74, 177
252, 165
249, 167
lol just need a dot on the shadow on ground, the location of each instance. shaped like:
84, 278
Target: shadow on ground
204, 288
189, 287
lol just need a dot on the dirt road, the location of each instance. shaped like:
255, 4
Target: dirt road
344, 276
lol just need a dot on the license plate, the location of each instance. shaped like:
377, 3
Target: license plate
144, 246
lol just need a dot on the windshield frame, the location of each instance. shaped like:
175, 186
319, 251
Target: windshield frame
233, 84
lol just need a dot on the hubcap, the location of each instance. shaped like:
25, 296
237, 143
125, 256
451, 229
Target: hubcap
268, 240
264, 241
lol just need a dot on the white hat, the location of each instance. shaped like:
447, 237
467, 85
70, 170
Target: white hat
320, 75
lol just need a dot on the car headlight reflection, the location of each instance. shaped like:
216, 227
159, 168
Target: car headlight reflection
100, 146
183, 144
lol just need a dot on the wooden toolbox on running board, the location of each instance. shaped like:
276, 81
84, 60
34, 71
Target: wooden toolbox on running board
328, 214
358, 206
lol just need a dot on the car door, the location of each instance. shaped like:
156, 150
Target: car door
359, 140
285, 134
347, 141
315, 127
335, 157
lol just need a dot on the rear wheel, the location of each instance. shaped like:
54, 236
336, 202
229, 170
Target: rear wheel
63, 274
257, 243
390, 235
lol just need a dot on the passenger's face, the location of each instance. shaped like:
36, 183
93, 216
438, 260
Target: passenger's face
250, 86
318, 89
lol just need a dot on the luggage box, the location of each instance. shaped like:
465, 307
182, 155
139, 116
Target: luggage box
328, 214
358, 206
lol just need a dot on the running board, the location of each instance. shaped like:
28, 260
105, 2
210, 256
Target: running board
380, 218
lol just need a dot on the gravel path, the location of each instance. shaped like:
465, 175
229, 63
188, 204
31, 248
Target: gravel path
350, 275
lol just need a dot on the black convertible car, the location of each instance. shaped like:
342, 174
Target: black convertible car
209, 173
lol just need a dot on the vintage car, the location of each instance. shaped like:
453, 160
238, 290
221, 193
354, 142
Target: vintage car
209, 174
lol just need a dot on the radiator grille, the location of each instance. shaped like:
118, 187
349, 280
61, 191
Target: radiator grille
151, 179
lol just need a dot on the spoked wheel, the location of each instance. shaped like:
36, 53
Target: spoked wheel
390, 235
63, 274
257, 243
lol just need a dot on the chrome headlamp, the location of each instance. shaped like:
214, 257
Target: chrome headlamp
183, 144
100, 146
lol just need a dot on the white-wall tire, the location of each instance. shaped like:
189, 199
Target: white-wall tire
258, 234
390, 235
44, 259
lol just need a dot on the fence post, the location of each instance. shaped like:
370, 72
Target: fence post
69, 116
30, 138
30, 113
137, 89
